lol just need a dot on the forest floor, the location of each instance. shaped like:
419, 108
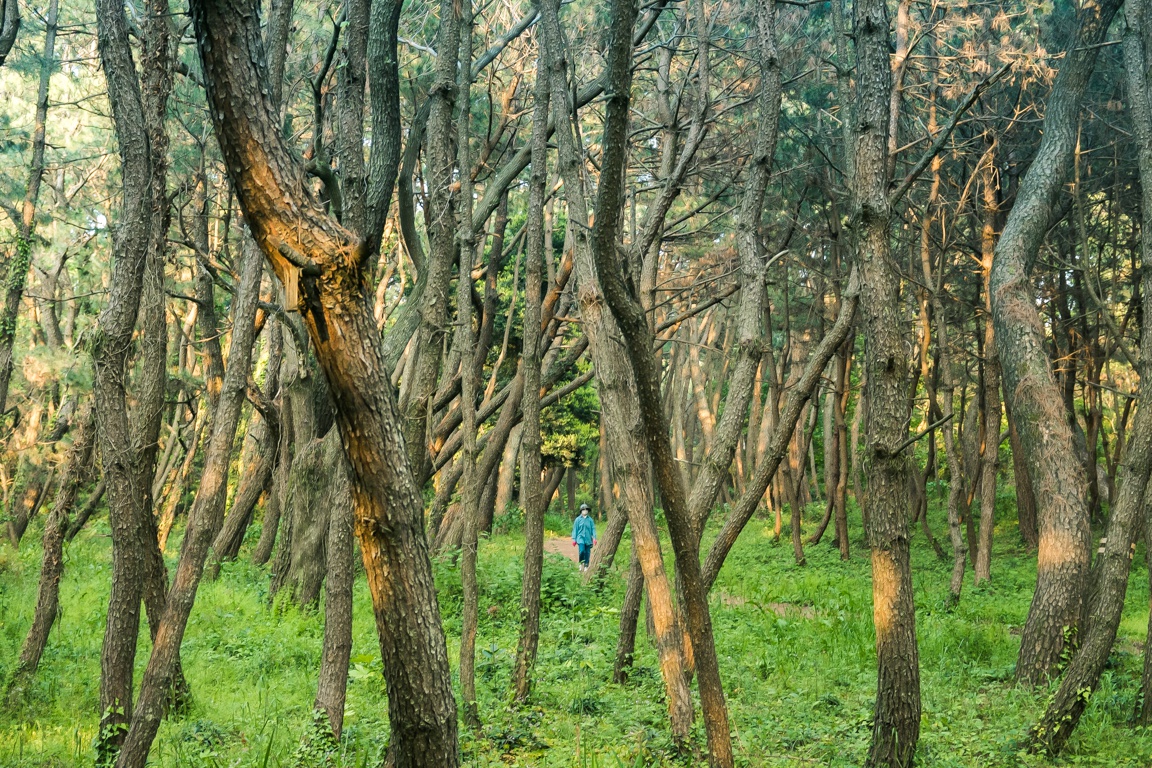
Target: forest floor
795, 647
554, 545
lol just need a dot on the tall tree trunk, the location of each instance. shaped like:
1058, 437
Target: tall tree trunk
475, 477
989, 460
530, 491
628, 454
443, 244
129, 485
16, 269
1113, 566
1037, 406
632, 322
204, 521
332, 685
896, 723
780, 437
292, 230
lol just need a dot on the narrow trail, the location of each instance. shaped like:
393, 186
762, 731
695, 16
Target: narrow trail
559, 546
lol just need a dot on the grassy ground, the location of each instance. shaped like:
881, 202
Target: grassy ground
795, 646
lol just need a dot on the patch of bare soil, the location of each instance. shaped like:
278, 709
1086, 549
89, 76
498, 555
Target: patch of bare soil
562, 547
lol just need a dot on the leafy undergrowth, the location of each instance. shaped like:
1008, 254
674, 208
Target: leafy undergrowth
795, 647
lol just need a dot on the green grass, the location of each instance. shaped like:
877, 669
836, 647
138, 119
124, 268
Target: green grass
800, 685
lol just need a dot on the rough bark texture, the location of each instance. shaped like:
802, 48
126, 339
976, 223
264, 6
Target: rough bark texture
990, 459
896, 719
1037, 407
332, 685
781, 436
442, 245
632, 323
627, 452
1114, 564
204, 521
128, 501
531, 492
629, 618
288, 225
15, 271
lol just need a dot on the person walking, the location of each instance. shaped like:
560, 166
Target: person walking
584, 536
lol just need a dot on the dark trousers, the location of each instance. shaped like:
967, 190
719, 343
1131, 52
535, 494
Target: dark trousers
585, 553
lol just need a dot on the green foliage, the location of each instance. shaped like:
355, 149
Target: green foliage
796, 649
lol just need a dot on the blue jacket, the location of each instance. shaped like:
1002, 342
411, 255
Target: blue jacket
584, 530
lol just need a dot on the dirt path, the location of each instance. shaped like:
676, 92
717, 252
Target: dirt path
562, 547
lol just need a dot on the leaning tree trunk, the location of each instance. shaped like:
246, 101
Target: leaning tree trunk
599, 246
128, 487
304, 245
1037, 407
627, 452
204, 521
76, 467
1114, 564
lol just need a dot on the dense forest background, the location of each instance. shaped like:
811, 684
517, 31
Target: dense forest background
321, 320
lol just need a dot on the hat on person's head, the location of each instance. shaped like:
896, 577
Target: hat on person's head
584, 507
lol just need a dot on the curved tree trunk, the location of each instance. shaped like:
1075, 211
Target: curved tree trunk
628, 454
76, 466
295, 234
1037, 406
204, 521
1114, 564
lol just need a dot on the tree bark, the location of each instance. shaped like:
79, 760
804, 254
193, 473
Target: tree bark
896, 720
332, 686
16, 268
288, 225
204, 521
1113, 566
530, 491
1037, 407
128, 485
628, 454
990, 458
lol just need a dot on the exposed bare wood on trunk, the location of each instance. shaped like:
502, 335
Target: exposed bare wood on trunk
288, 225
